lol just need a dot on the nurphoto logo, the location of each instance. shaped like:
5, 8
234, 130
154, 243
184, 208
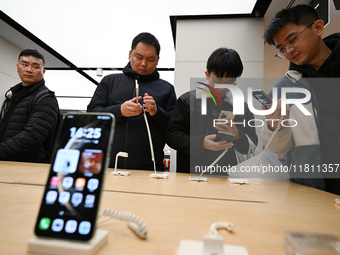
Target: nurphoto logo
239, 99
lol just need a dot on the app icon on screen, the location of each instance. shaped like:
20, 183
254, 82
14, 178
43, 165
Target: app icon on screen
89, 201
80, 183
84, 227
54, 181
76, 199
92, 184
67, 182
91, 161
66, 161
57, 225
44, 223
64, 197
71, 226
51, 196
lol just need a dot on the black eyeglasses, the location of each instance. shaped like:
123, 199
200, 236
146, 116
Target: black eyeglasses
291, 45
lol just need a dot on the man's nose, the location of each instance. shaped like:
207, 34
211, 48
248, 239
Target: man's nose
29, 69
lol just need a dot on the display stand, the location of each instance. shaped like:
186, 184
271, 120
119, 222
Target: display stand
198, 178
64, 247
159, 176
121, 173
196, 247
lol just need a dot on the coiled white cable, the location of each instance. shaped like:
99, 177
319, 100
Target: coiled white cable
220, 225
135, 223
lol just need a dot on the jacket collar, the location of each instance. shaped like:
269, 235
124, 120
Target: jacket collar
143, 78
16, 88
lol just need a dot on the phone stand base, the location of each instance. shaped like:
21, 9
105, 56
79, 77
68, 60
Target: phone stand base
196, 247
238, 181
64, 247
198, 178
159, 176
121, 173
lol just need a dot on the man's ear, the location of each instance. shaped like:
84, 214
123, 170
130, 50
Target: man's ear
319, 27
207, 75
130, 52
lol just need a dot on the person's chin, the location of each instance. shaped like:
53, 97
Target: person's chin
222, 92
142, 72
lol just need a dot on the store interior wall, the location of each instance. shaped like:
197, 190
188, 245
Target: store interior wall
197, 39
8, 73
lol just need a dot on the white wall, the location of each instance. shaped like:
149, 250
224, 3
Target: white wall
197, 39
8, 71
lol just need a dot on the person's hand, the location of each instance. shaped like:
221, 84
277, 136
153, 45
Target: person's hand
273, 118
149, 105
229, 127
130, 108
337, 201
210, 144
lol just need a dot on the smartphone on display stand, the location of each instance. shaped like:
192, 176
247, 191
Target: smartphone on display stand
72, 193
262, 97
224, 136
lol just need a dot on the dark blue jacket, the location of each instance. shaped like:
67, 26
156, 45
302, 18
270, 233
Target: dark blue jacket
131, 134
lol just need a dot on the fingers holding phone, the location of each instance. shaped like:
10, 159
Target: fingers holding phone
209, 143
149, 104
229, 127
266, 103
131, 108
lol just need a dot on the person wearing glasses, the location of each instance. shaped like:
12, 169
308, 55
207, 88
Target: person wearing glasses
313, 145
193, 134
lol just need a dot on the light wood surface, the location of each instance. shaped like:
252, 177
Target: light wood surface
175, 209
258, 226
178, 184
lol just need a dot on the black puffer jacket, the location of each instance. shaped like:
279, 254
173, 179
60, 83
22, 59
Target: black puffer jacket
28, 123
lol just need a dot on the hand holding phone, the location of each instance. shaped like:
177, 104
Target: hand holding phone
262, 97
224, 136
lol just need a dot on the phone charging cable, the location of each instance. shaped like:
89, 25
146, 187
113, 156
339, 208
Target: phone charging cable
135, 223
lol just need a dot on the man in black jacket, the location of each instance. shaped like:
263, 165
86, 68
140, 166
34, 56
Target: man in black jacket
116, 94
29, 113
193, 134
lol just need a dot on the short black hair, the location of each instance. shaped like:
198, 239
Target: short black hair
299, 15
224, 60
33, 53
146, 38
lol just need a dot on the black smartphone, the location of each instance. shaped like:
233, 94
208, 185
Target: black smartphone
224, 136
262, 97
72, 193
